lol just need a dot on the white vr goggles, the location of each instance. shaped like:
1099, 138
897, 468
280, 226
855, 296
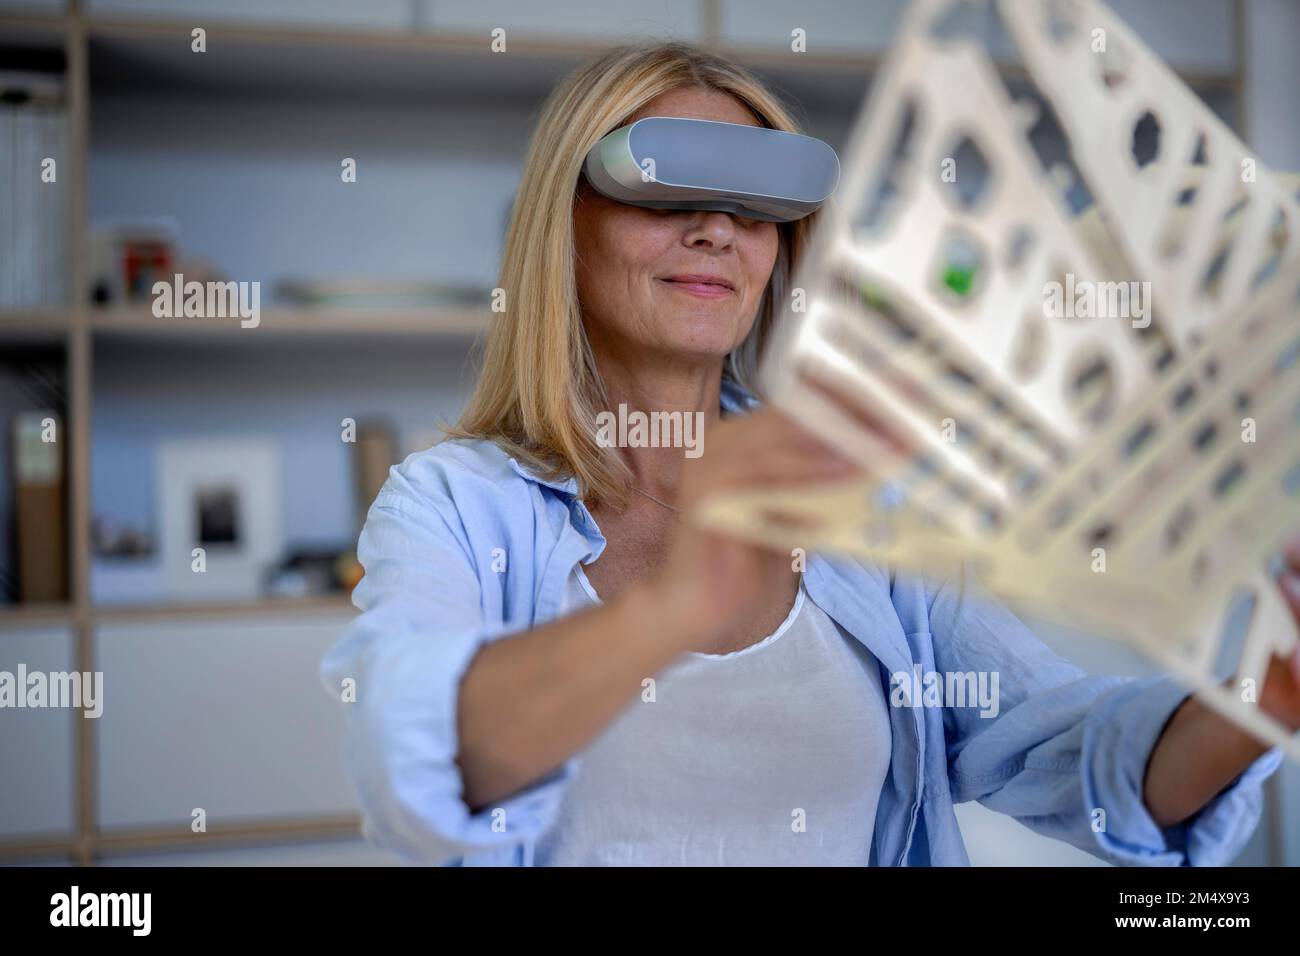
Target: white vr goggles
670, 162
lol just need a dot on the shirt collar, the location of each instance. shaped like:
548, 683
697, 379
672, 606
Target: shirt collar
567, 486
736, 398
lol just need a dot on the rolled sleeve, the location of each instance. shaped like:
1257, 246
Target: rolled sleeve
421, 625
1121, 732
1066, 745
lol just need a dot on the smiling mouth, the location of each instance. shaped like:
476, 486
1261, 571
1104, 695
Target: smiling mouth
701, 286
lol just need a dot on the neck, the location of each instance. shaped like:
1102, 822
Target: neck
683, 397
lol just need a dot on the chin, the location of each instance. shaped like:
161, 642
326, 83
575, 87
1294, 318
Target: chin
705, 345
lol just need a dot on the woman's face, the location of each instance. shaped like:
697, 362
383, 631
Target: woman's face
639, 270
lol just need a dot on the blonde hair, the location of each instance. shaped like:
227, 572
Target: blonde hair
538, 389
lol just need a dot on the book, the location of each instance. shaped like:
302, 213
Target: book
34, 223
39, 513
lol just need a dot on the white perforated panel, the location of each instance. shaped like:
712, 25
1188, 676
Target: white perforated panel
1102, 411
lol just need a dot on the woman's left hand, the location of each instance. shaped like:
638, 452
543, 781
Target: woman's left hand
1280, 696
1201, 751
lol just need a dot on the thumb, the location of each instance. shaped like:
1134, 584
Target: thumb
1289, 584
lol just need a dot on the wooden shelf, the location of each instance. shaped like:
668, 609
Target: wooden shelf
16, 616
261, 59
20, 615
16, 850
300, 323
255, 59
263, 607
257, 832
33, 29
153, 53
162, 838
34, 325
268, 60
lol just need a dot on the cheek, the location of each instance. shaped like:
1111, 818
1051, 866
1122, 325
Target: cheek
643, 239
761, 258
626, 246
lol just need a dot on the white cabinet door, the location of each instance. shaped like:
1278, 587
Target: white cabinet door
46, 7
224, 715
830, 26
373, 14
572, 19
37, 746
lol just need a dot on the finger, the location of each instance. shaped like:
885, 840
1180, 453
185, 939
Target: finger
780, 463
802, 444
774, 432
801, 470
775, 425
1289, 583
801, 436
867, 418
1291, 553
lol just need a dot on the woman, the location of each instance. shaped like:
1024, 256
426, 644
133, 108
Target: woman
669, 696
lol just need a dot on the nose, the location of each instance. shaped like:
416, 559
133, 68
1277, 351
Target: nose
710, 229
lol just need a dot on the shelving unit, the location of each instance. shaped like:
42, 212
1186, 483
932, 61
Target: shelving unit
126, 56
318, 324
24, 615
34, 325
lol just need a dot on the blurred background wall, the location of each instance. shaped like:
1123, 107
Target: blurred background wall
226, 164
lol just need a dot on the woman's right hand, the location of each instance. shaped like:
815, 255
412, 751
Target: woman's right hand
709, 579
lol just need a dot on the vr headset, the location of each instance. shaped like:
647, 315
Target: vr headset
669, 162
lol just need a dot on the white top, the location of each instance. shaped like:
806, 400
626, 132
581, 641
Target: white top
771, 755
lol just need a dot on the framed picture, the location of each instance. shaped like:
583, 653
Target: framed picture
221, 496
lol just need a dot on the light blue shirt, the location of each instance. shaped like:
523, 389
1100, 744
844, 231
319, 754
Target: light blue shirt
1062, 746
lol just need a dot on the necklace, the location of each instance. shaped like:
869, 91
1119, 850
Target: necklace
656, 500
